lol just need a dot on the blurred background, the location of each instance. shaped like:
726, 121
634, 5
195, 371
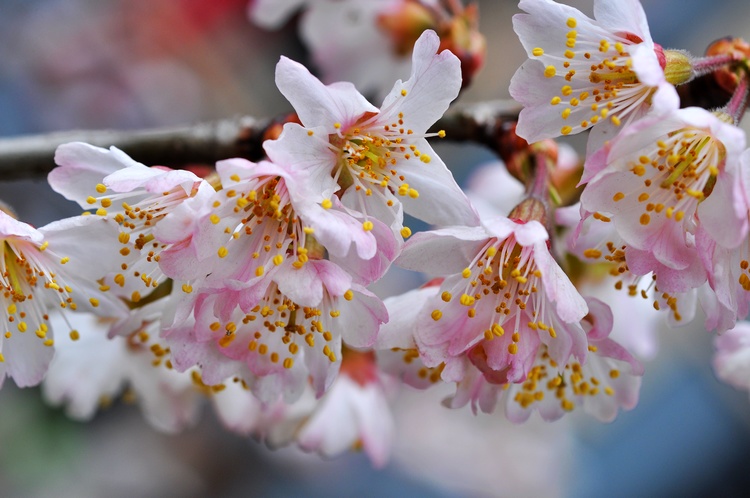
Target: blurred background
127, 64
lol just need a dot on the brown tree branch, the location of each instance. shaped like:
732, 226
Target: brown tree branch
205, 143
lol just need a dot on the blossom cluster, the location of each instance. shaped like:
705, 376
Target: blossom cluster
249, 286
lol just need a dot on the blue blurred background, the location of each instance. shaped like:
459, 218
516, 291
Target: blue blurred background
126, 64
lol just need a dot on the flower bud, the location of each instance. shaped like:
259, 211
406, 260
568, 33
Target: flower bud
678, 68
736, 47
462, 37
405, 23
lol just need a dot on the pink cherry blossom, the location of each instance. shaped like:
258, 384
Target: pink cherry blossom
732, 358
503, 298
662, 178
607, 380
379, 159
135, 196
285, 327
93, 369
263, 215
56, 266
586, 73
396, 348
354, 412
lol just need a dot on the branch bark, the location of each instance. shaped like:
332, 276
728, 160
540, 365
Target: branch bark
205, 143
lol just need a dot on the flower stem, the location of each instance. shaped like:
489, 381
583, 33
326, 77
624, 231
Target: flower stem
737, 105
709, 64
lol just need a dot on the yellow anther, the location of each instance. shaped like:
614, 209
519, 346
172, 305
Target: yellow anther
94, 302
616, 121
513, 348
367, 226
550, 71
555, 100
446, 296
259, 271
592, 253
348, 295
405, 232
278, 259
441, 134
566, 113
537, 52
403, 93
566, 90
326, 204
571, 23
90, 200
436, 315
569, 54
187, 289
466, 273
467, 300
74, 335
565, 130
618, 196
222, 252
337, 126
214, 219
100, 188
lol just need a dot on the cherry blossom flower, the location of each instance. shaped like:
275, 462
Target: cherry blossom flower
93, 370
56, 266
609, 379
662, 178
396, 347
263, 215
285, 328
134, 195
354, 413
338, 32
378, 158
585, 73
728, 267
504, 297
732, 358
